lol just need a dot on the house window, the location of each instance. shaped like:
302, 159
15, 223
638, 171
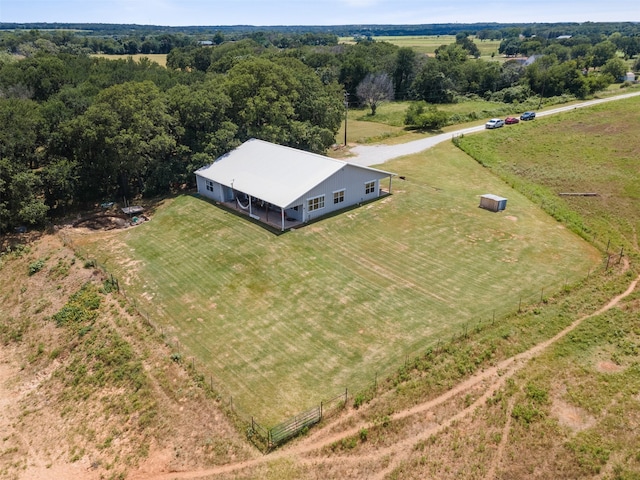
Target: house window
369, 187
338, 197
209, 185
315, 203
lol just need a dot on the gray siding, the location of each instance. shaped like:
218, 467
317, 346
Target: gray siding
216, 194
350, 179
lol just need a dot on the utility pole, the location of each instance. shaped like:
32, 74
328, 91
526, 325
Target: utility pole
346, 111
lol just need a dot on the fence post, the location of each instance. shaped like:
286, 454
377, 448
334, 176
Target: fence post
621, 253
520, 305
320, 410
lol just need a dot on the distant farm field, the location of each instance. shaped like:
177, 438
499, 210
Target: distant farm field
159, 58
281, 322
427, 44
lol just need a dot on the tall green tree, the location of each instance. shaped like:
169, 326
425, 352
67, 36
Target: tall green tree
404, 72
121, 138
282, 102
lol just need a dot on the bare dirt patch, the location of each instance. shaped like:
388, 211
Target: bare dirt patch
608, 367
571, 416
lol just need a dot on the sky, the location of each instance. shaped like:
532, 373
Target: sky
316, 12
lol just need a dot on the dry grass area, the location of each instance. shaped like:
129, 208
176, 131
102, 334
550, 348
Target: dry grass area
59, 424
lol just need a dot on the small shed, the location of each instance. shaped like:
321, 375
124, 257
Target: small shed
492, 202
629, 77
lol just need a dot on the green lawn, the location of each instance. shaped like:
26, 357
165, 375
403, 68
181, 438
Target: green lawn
284, 321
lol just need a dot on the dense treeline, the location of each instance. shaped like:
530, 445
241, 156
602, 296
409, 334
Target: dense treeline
28, 42
76, 129
496, 31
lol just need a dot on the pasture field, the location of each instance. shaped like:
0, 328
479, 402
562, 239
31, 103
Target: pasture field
159, 58
284, 321
387, 125
589, 150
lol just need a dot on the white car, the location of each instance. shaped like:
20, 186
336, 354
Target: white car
494, 123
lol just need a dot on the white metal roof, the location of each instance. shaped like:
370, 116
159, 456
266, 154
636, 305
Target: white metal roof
274, 173
493, 197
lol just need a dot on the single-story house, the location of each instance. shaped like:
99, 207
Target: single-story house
259, 176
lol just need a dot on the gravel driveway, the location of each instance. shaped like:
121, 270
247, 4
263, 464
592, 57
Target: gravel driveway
367, 155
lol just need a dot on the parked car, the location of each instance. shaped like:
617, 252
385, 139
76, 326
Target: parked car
494, 123
511, 120
528, 116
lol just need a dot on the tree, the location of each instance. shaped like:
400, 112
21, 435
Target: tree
616, 67
20, 131
404, 72
602, 52
375, 89
469, 45
283, 102
510, 46
60, 179
20, 196
432, 85
120, 140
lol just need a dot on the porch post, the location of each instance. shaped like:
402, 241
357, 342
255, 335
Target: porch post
250, 212
282, 214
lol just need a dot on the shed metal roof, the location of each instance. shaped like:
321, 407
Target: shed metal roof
274, 173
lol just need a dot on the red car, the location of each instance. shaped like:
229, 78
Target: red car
511, 120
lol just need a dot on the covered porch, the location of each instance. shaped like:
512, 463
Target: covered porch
259, 210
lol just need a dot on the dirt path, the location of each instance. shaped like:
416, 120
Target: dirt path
490, 380
491, 474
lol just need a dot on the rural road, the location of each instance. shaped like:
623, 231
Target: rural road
367, 155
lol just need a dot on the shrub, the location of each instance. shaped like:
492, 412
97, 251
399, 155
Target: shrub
425, 117
36, 266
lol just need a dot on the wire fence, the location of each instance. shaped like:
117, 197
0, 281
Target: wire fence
267, 438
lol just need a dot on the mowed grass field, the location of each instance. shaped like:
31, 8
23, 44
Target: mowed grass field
282, 322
